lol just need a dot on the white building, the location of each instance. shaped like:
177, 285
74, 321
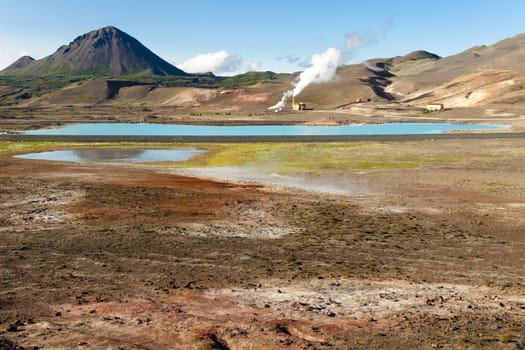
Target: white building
435, 107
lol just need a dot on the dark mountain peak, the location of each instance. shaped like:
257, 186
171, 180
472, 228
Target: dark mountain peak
108, 29
417, 55
420, 54
106, 33
106, 51
21, 62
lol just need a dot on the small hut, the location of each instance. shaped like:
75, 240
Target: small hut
301, 106
435, 107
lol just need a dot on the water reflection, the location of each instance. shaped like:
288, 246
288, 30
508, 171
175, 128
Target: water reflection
104, 155
107, 155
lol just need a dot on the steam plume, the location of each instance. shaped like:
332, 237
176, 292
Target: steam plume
370, 67
322, 69
280, 105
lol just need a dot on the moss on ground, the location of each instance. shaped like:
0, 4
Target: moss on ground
283, 157
318, 157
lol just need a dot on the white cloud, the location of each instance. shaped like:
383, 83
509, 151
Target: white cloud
216, 62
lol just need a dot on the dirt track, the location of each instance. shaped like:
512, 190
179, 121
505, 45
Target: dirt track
99, 256
251, 139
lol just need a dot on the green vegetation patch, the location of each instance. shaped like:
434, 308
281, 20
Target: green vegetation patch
48, 82
286, 157
250, 78
317, 157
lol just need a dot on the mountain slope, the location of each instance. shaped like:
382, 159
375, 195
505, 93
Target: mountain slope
107, 51
479, 76
508, 54
352, 83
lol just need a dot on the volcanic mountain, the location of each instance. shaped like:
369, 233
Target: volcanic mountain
105, 51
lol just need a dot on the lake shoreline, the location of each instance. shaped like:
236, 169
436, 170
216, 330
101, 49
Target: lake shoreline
250, 139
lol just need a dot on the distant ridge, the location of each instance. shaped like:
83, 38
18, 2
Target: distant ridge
417, 55
105, 51
21, 62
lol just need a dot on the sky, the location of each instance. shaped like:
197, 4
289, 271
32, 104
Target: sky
234, 36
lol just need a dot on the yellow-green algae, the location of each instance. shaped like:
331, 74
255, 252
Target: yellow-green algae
283, 157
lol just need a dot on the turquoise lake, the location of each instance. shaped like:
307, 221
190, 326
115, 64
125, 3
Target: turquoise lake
147, 129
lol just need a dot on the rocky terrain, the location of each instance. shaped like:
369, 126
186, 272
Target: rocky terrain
421, 246
106, 256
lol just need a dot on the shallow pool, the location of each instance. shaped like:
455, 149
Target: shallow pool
123, 129
116, 155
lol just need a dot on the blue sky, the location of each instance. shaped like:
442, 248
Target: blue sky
276, 35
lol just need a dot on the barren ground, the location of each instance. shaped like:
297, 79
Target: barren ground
101, 256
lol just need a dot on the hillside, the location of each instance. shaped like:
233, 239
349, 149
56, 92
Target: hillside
119, 71
478, 76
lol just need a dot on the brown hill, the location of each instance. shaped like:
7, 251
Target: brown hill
506, 55
479, 76
103, 51
415, 56
85, 93
101, 92
352, 83
488, 87
412, 63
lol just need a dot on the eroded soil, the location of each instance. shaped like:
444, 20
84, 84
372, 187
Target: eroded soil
100, 256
